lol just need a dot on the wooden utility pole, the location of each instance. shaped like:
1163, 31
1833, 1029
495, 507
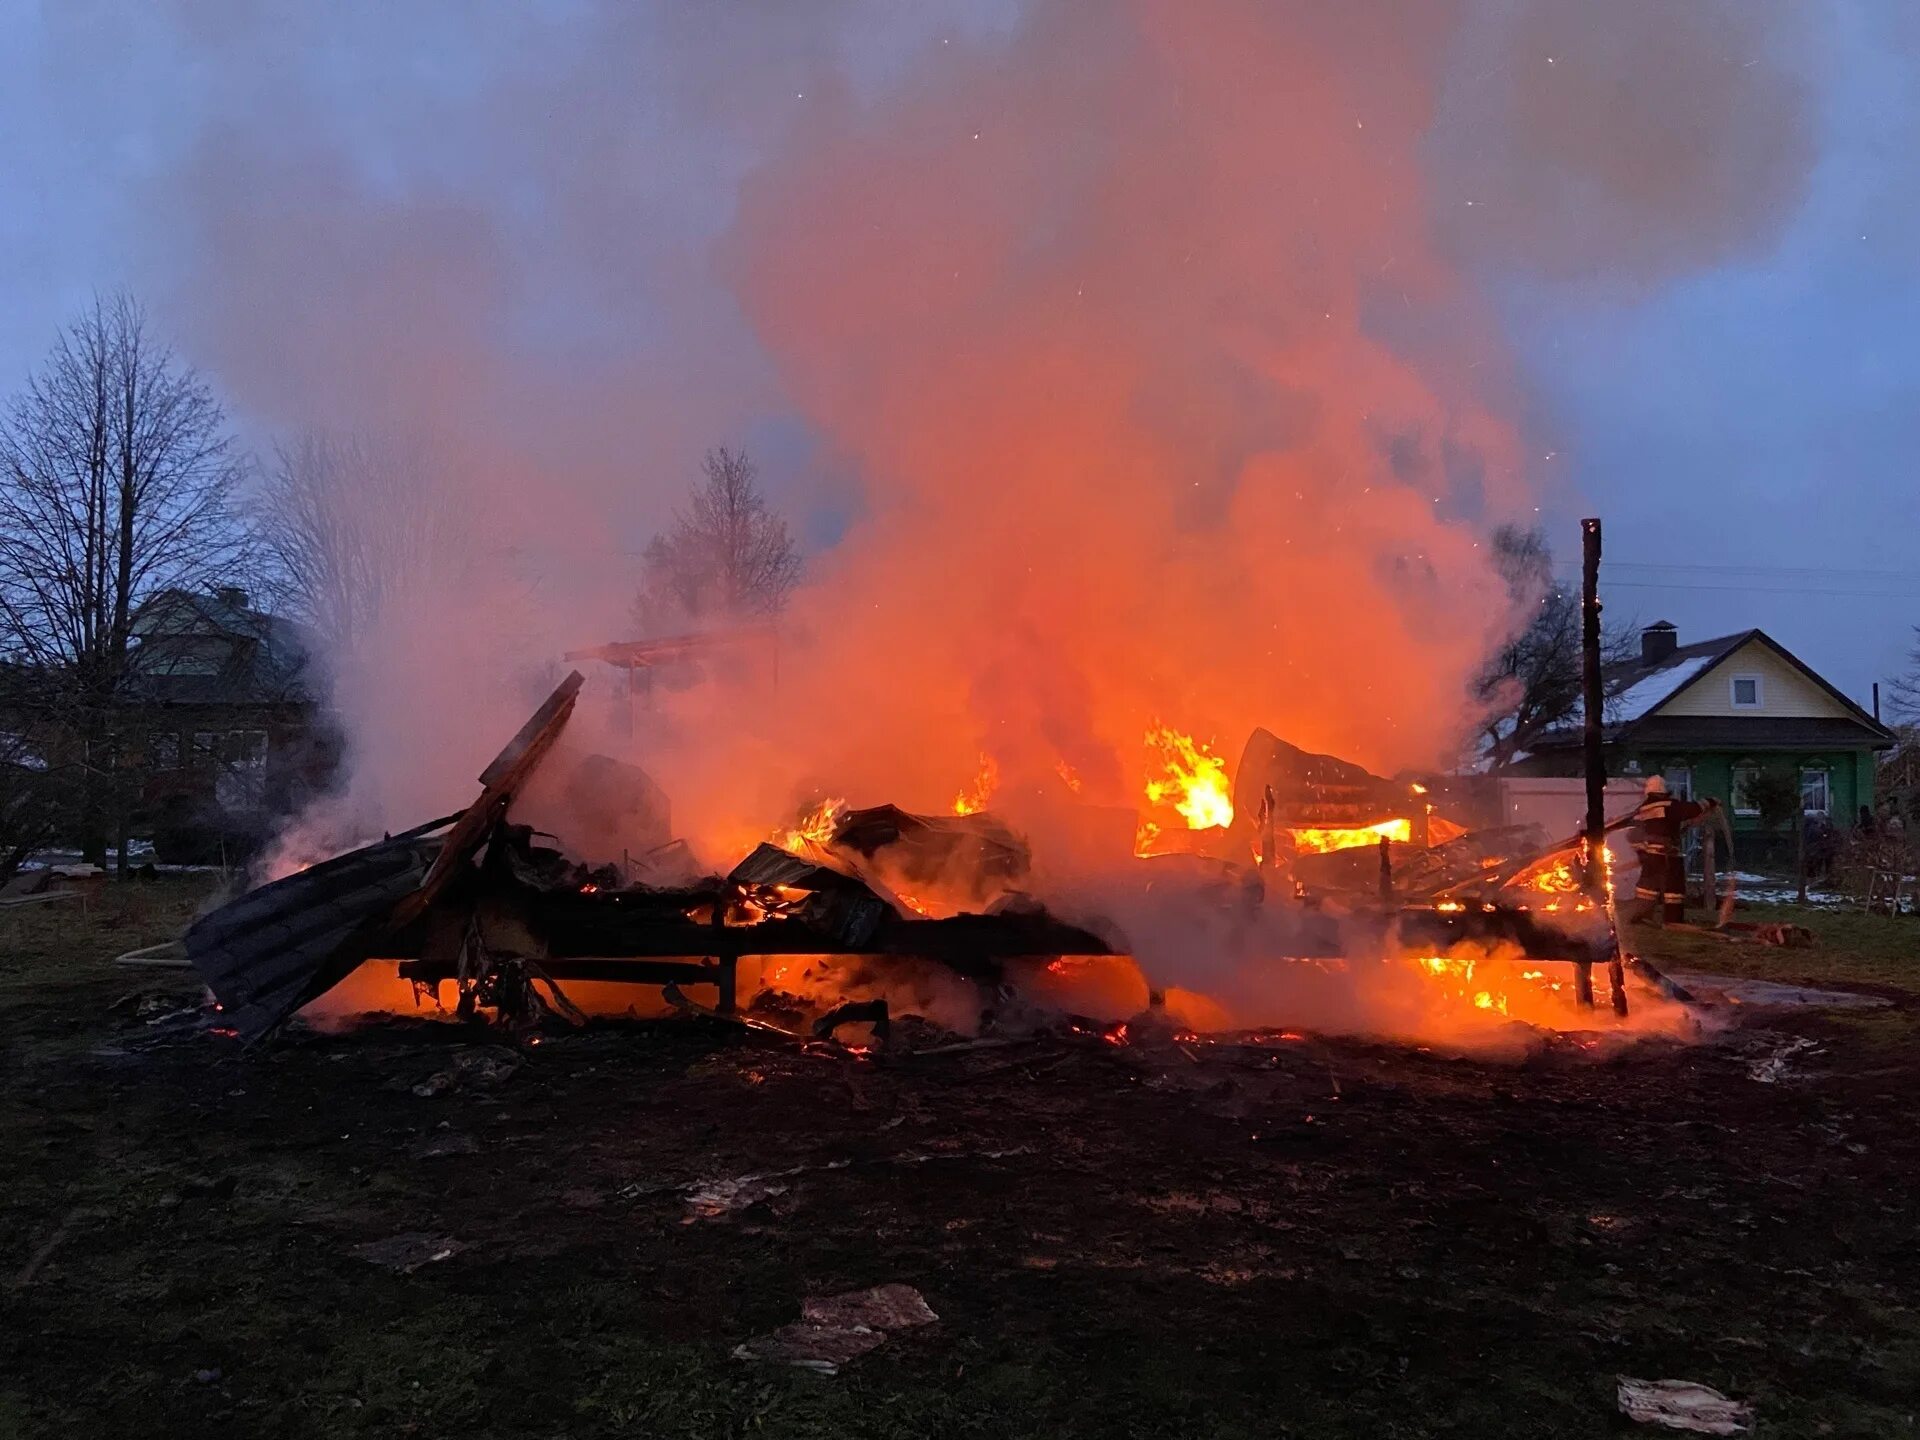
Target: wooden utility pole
1594, 698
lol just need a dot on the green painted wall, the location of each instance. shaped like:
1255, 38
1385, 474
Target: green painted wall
1849, 776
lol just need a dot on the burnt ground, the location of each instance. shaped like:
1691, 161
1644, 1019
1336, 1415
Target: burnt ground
1317, 1238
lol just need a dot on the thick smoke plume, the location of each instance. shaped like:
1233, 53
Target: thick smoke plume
1128, 362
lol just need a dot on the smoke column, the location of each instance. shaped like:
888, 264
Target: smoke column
1141, 355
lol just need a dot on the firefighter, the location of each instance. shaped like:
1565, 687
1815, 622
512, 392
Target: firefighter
1662, 885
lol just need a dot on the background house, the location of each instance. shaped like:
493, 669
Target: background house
1716, 716
220, 710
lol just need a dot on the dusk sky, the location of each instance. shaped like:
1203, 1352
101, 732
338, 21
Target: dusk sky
1736, 391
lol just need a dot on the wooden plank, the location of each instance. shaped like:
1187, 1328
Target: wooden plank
523, 752
499, 782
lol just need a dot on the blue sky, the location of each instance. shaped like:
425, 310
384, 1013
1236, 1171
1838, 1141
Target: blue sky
1747, 426
1751, 432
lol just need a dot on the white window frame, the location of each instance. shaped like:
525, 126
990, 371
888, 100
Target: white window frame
1679, 778
1759, 692
1734, 787
1807, 772
247, 749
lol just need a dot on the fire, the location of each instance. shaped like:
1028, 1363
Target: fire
1467, 980
815, 827
1194, 783
1557, 877
1562, 874
974, 798
1316, 839
1068, 775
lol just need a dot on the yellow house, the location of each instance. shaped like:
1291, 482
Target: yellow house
1715, 716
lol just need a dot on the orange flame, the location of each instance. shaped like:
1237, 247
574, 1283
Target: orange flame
1318, 839
816, 827
1461, 979
974, 798
1193, 783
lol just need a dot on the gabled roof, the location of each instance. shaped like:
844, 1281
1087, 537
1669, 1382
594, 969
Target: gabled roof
213, 649
1636, 691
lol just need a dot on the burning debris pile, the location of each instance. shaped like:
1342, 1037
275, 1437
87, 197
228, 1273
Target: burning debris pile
1306, 859
472, 900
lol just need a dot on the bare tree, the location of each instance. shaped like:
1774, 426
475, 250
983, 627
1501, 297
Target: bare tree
1903, 691
727, 557
34, 791
115, 472
347, 523
1535, 682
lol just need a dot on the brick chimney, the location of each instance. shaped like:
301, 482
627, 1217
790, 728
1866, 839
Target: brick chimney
1658, 641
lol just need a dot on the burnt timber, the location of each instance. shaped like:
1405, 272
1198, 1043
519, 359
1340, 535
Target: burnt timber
477, 902
469, 898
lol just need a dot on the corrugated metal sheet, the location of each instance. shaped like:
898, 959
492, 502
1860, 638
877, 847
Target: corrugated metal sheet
270, 951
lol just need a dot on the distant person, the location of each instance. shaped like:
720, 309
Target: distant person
1820, 842
1662, 887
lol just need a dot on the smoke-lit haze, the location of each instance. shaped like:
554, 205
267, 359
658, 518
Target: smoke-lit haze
1116, 361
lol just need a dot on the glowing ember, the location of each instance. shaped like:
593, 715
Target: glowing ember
1193, 783
1317, 839
1469, 980
974, 798
1557, 876
1069, 775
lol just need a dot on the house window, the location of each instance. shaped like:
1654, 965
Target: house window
163, 750
1744, 779
1679, 780
1747, 693
1814, 794
205, 747
247, 749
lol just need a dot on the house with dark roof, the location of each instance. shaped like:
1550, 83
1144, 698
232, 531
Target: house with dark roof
1715, 715
220, 708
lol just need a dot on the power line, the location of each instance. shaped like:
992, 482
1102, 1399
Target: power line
1804, 571
1913, 595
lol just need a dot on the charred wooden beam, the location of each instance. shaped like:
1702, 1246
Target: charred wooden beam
621, 969
498, 783
583, 927
1537, 938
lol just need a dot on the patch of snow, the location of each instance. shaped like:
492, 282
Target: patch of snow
1644, 694
1772, 890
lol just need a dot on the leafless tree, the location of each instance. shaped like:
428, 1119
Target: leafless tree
1535, 680
116, 468
1903, 691
35, 793
349, 522
727, 557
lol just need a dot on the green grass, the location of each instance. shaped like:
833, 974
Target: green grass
68, 941
1851, 948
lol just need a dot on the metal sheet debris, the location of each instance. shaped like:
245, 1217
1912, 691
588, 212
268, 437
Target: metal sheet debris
835, 1329
407, 1252
1683, 1405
